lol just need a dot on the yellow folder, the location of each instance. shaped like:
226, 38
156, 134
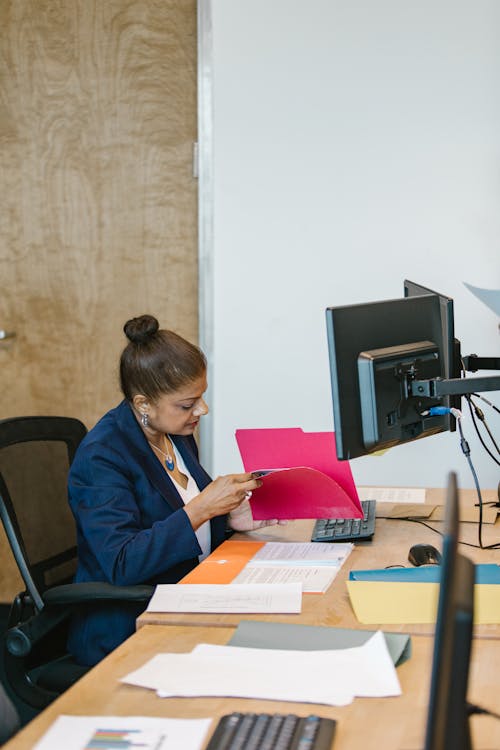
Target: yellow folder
401, 603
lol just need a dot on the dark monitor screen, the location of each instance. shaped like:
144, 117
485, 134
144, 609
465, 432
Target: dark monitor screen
374, 349
447, 716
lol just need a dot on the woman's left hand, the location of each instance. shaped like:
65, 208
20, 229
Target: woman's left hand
241, 519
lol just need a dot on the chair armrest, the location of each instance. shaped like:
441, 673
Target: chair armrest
76, 593
20, 639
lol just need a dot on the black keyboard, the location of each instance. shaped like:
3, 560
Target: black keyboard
248, 731
347, 529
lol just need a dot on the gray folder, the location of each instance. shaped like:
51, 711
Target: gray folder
256, 634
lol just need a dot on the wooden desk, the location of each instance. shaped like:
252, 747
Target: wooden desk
366, 724
390, 545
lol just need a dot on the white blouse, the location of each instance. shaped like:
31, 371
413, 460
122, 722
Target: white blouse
203, 533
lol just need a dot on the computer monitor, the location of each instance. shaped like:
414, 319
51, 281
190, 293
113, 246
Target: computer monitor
375, 350
447, 716
452, 363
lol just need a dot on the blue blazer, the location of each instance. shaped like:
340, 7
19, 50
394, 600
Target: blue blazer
131, 526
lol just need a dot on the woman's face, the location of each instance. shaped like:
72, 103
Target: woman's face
178, 412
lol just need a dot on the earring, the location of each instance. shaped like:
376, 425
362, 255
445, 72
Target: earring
144, 419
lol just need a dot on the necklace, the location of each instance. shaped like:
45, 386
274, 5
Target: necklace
169, 461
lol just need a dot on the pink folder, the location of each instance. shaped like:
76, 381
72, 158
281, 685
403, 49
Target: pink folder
307, 481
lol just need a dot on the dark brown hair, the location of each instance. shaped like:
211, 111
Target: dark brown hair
157, 361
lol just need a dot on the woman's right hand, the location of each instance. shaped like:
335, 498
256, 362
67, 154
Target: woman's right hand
220, 497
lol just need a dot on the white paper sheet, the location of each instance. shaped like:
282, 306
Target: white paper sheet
313, 580
148, 733
332, 677
314, 564
293, 553
227, 597
393, 494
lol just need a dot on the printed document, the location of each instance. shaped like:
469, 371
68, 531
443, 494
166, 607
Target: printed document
313, 564
393, 494
111, 732
227, 597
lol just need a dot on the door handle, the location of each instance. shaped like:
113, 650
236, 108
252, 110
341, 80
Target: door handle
7, 335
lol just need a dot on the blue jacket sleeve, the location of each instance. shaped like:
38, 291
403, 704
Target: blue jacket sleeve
128, 532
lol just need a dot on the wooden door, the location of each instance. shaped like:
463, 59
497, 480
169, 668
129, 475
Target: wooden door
98, 220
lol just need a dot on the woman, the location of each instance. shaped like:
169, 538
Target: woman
145, 509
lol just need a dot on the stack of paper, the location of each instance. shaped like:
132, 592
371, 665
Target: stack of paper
333, 677
314, 564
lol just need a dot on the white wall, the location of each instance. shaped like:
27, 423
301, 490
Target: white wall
356, 143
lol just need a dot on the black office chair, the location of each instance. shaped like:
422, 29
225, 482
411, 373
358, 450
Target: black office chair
35, 455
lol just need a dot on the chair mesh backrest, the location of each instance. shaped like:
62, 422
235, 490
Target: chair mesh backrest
34, 472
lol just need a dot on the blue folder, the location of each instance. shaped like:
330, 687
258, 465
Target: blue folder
485, 573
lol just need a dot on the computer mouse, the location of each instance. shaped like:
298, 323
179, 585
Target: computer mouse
424, 554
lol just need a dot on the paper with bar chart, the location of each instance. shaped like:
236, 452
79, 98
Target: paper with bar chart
124, 733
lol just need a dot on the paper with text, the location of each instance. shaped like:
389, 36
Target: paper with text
311, 553
314, 580
227, 597
393, 494
314, 565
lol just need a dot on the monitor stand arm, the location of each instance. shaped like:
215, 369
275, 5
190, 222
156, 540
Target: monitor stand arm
440, 387
473, 363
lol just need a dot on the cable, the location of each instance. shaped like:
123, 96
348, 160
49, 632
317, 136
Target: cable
432, 528
473, 709
475, 411
466, 451
478, 395
480, 415
412, 520
439, 410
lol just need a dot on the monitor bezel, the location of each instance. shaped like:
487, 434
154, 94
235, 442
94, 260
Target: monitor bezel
447, 715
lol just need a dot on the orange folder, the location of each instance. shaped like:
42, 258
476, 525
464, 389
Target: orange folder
224, 564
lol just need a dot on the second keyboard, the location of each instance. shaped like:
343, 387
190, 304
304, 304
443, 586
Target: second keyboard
347, 529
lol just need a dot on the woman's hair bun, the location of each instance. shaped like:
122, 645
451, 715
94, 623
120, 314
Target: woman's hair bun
141, 329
